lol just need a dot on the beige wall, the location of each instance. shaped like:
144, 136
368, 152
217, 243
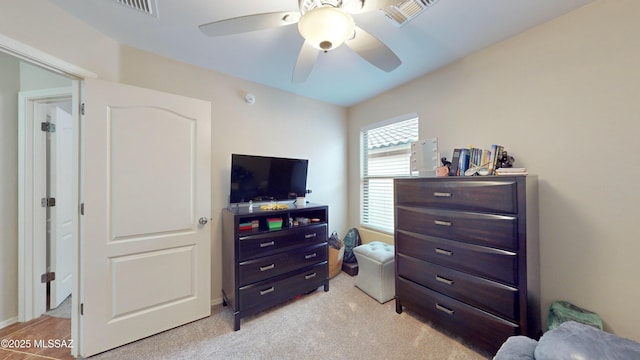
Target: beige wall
9, 87
42, 25
278, 124
33, 77
564, 99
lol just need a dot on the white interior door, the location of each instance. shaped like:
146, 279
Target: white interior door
62, 215
144, 256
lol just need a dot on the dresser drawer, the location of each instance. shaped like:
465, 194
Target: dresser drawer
499, 265
484, 195
486, 229
265, 267
483, 329
496, 298
253, 246
264, 294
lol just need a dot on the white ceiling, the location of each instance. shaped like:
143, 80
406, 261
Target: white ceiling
444, 33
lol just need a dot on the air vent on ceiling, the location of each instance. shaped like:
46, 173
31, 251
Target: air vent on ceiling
146, 6
404, 11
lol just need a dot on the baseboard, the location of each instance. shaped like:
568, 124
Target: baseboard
11, 321
216, 301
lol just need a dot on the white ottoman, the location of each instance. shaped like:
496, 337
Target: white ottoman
376, 270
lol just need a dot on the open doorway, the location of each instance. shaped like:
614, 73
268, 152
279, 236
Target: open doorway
33, 92
146, 202
48, 196
61, 220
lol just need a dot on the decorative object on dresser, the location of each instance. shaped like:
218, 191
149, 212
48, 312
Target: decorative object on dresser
467, 255
267, 265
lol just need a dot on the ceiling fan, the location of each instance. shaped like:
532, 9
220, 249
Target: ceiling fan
326, 25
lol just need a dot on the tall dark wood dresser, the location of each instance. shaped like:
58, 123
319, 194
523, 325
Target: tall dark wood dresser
467, 255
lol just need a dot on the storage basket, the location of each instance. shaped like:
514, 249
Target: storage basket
335, 261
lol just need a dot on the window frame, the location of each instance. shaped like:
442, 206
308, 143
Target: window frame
404, 149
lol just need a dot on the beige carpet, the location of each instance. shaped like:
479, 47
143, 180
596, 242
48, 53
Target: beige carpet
343, 323
63, 310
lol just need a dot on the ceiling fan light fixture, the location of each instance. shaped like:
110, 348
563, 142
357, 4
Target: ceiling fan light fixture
326, 27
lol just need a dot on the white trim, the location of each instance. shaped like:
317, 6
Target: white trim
77, 275
381, 223
393, 120
8, 322
31, 187
35, 56
216, 301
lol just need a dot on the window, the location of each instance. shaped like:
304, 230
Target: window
386, 152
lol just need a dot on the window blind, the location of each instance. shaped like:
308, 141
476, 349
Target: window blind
386, 152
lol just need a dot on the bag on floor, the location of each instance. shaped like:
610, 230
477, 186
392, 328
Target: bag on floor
336, 252
351, 240
563, 311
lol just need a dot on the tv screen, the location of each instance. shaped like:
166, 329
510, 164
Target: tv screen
264, 178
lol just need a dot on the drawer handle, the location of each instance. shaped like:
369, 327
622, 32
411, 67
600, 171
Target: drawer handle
310, 276
270, 243
310, 256
266, 291
444, 309
268, 267
309, 236
444, 280
442, 194
442, 223
444, 252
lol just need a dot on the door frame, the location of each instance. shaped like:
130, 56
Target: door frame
76, 74
32, 180
42, 59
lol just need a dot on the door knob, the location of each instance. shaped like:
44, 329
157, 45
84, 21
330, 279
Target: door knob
203, 220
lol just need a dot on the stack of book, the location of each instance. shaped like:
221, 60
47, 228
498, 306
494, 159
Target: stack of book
245, 226
274, 223
496, 155
512, 171
466, 158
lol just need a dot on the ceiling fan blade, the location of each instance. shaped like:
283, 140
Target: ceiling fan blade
306, 59
250, 23
373, 50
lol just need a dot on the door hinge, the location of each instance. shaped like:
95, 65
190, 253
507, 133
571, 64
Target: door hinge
82, 209
48, 202
48, 127
82, 109
82, 309
47, 277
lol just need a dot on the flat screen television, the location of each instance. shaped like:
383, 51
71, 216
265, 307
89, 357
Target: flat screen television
264, 178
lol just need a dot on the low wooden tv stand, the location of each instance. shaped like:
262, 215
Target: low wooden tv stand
263, 267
